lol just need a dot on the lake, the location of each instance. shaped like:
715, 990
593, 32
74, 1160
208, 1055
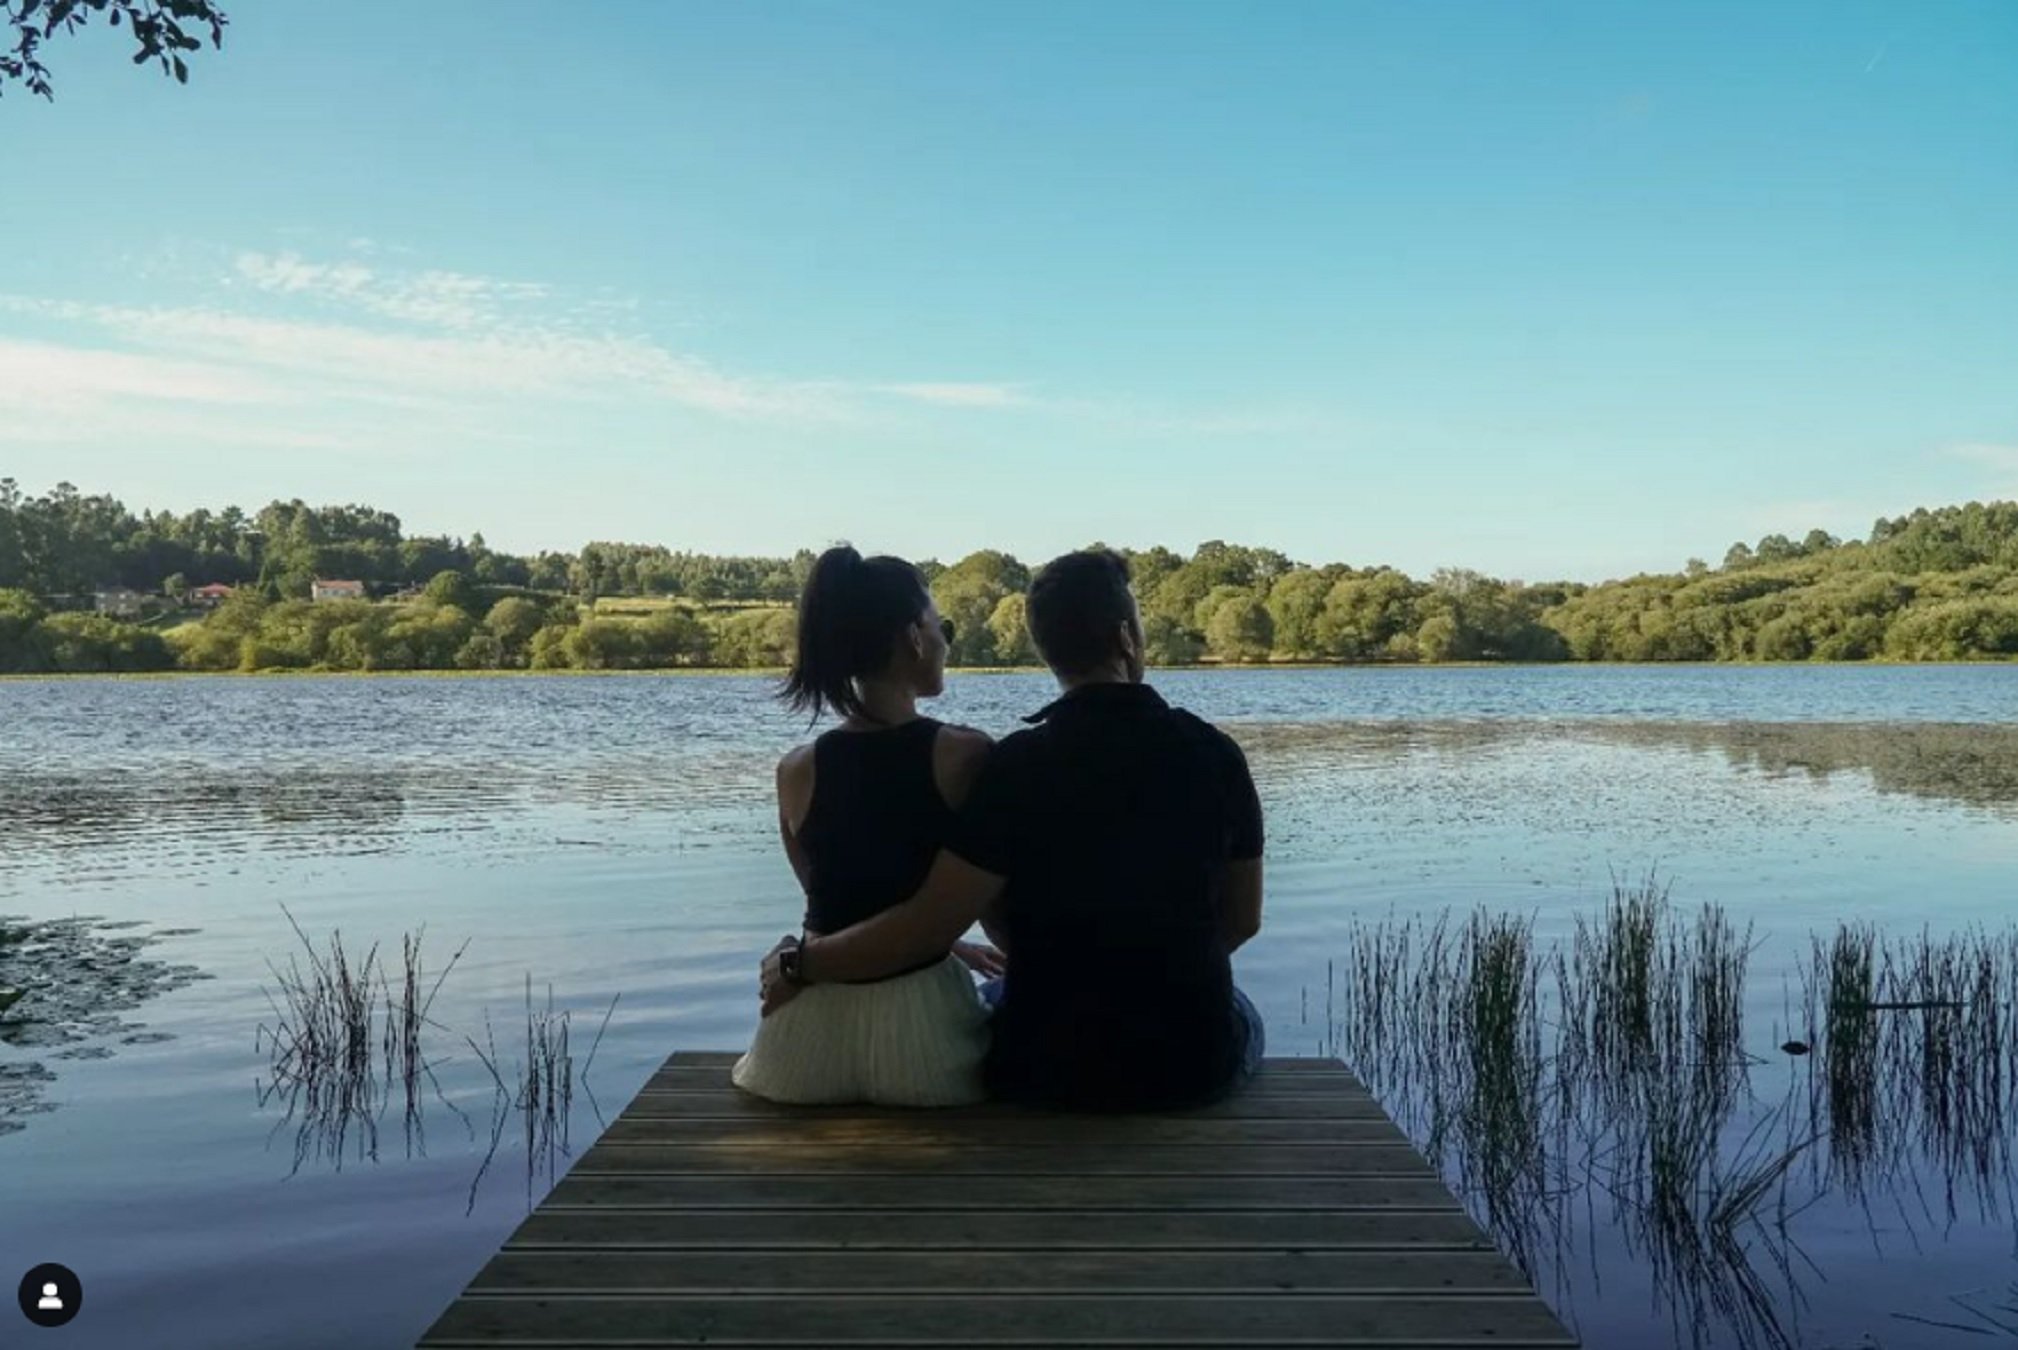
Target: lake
606, 847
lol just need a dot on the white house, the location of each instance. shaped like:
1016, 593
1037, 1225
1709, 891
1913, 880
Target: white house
336, 590
121, 602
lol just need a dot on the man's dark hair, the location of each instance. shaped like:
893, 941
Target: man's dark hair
1075, 604
851, 612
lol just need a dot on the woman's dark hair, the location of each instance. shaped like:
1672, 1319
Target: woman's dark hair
852, 610
1075, 604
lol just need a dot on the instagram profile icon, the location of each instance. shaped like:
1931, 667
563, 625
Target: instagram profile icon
51, 1295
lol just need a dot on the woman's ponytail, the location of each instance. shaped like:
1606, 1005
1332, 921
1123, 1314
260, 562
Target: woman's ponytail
850, 614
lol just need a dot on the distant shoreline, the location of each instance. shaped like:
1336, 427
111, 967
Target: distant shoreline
688, 672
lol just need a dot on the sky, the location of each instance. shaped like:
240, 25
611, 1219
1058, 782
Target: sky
1550, 290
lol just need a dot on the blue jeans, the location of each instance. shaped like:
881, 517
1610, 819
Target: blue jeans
1256, 1042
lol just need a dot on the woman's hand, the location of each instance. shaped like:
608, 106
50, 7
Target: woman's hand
772, 985
982, 959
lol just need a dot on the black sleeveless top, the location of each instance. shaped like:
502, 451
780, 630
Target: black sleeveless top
875, 823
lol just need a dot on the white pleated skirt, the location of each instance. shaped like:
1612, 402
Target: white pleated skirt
916, 1040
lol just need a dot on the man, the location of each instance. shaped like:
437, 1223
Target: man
1115, 848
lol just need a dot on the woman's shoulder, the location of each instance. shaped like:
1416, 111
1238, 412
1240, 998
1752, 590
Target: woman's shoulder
962, 748
957, 757
796, 765
964, 740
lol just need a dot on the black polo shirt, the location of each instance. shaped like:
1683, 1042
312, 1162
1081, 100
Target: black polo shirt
1113, 819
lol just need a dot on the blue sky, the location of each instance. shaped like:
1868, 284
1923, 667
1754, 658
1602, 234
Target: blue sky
1550, 290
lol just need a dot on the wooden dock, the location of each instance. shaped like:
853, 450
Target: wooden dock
1294, 1215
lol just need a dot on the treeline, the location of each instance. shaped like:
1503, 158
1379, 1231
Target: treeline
453, 626
66, 543
1934, 585
1939, 585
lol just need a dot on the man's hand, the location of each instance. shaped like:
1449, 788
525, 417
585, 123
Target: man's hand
982, 959
774, 988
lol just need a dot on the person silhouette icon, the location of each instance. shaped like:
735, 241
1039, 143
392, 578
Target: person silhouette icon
50, 1295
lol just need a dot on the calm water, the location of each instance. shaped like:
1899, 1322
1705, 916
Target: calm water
614, 839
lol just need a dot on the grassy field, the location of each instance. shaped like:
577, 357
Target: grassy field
617, 606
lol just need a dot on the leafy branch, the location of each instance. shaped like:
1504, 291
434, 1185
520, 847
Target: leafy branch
161, 29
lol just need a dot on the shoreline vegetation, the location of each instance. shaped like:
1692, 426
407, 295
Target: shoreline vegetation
88, 587
1616, 1081
778, 672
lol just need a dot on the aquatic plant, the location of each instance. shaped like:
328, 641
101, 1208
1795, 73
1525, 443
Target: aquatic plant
1613, 1064
326, 1045
342, 1036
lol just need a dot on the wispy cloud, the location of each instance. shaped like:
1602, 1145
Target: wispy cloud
47, 374
350, 329
459, 352
287, 346
958, 395
453, 300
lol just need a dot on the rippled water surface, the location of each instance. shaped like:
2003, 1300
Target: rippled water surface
606, 848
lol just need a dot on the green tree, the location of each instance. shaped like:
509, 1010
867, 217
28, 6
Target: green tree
450, 587
215, 643
1438, 637
1364, 613
968, 593
1166, 642
483, 651
1010, 627
1215, 599
603, 644
548, 650
1295, 603
751, 639
22, 650
549, 572
513, 621
94, 643
1239, 628
673, 637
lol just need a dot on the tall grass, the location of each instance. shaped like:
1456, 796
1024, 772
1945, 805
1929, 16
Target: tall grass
1612, 1064
340, 1039
343, 1033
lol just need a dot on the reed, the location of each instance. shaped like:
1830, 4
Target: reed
1614, 1062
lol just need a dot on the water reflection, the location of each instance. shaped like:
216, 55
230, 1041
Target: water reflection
1973, 764
63, 984
342, 1036
165, 818
1598, 1108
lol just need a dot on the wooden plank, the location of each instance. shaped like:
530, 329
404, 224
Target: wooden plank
922, 1130
1056, 1230
872, 1162
996, 1320
731, 1103
575, 1274
1294, 1214
928, 1192
715, 1079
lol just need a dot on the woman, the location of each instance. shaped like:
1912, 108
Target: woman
863, 809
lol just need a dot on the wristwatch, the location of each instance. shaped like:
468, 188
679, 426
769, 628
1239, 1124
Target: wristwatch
788, 962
